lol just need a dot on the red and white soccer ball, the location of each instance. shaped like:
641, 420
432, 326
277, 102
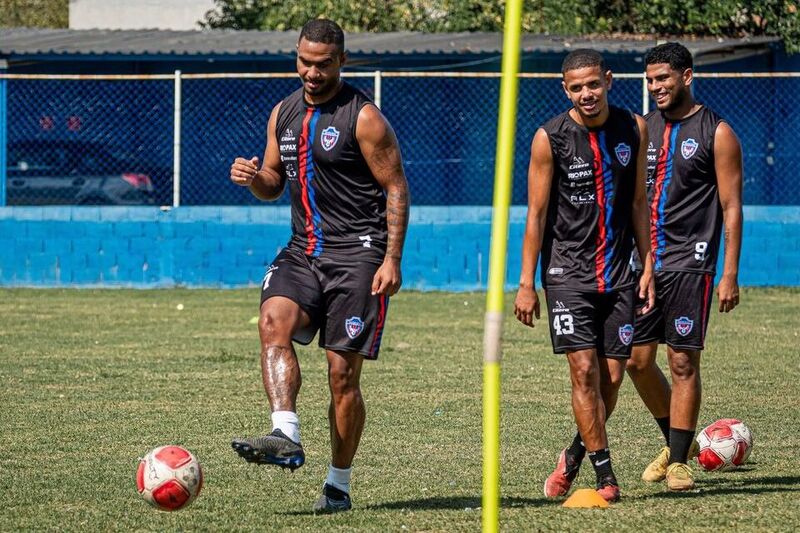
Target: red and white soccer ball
724, 445
169, 478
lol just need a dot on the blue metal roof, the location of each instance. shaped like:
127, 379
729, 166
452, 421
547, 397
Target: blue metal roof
31, 42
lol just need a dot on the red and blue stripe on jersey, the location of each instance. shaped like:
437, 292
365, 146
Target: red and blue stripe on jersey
604, 189
306, 175
662, 181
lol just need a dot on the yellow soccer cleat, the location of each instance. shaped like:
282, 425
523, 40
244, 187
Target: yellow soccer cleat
679, 477
657, 470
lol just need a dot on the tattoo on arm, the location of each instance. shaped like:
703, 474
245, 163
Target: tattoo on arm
396, 219
386, 165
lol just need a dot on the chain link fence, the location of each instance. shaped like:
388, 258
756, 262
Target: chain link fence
114, 140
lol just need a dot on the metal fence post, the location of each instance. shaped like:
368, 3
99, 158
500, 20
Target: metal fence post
176, 144
645, 96
377, 88
3, 132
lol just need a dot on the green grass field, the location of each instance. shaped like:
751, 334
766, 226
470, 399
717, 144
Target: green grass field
93, 379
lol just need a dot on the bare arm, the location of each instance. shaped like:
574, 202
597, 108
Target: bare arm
381, 151
540, 179
728, 167
641, 220
266, 183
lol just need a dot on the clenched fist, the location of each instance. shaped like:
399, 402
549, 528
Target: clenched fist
244, 170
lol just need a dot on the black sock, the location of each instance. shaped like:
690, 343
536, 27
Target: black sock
601, 461
576, 450
575, 454
679, 442
663, 423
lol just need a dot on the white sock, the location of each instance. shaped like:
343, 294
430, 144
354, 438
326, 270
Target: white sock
339, 478
288, 422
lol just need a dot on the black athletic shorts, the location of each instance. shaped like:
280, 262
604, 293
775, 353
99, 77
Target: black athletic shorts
336, 295
680, 316
581, 320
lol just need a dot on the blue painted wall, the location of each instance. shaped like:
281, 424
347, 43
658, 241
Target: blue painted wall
447, 247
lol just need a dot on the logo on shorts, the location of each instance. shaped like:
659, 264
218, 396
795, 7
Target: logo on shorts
688, 148
683, 325
623, 152
560, 307
626, 334
354, 326
268, 276
329, 137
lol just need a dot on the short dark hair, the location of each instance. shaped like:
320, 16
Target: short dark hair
678, 56
323, 31
583, 57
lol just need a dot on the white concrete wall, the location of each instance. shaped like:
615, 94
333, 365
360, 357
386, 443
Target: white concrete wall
137, 14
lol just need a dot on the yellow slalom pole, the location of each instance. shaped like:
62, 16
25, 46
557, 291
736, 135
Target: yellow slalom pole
493, 325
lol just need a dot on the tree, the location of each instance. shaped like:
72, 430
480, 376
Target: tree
34, 13
724, 18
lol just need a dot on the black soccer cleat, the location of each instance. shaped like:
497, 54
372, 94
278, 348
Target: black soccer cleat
332, 500
273, 449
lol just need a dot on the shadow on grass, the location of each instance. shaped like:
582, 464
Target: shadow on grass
735, 485
707, 487
459, 503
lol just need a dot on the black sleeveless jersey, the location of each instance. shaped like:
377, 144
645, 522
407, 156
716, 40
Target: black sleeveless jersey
588, 236
685, 212
337, 205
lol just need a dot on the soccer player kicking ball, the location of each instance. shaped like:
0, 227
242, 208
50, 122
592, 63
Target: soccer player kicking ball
586, 205
349, 200
694, 185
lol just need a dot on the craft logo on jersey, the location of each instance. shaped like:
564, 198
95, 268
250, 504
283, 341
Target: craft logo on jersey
354, 326
626, 334
688, 148
329, 137
623, 152
683, 325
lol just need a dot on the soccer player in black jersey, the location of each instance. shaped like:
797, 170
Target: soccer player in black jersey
586, 206
694, 187
349, 205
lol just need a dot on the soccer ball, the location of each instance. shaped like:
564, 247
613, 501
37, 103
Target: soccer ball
724, 445
169, 478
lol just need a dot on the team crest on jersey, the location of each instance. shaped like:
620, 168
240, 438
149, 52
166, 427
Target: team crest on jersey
626, 334
623, 152
329, 137
683, 325
688, 148
354, 326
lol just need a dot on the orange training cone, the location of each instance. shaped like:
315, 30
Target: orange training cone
585, 498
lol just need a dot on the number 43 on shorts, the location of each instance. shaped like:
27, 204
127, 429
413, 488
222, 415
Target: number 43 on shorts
562, 324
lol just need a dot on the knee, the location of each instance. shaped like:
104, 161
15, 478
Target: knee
615, 380
683, 368
343, 381
642, 360
636, 366
584, 374
273, 328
